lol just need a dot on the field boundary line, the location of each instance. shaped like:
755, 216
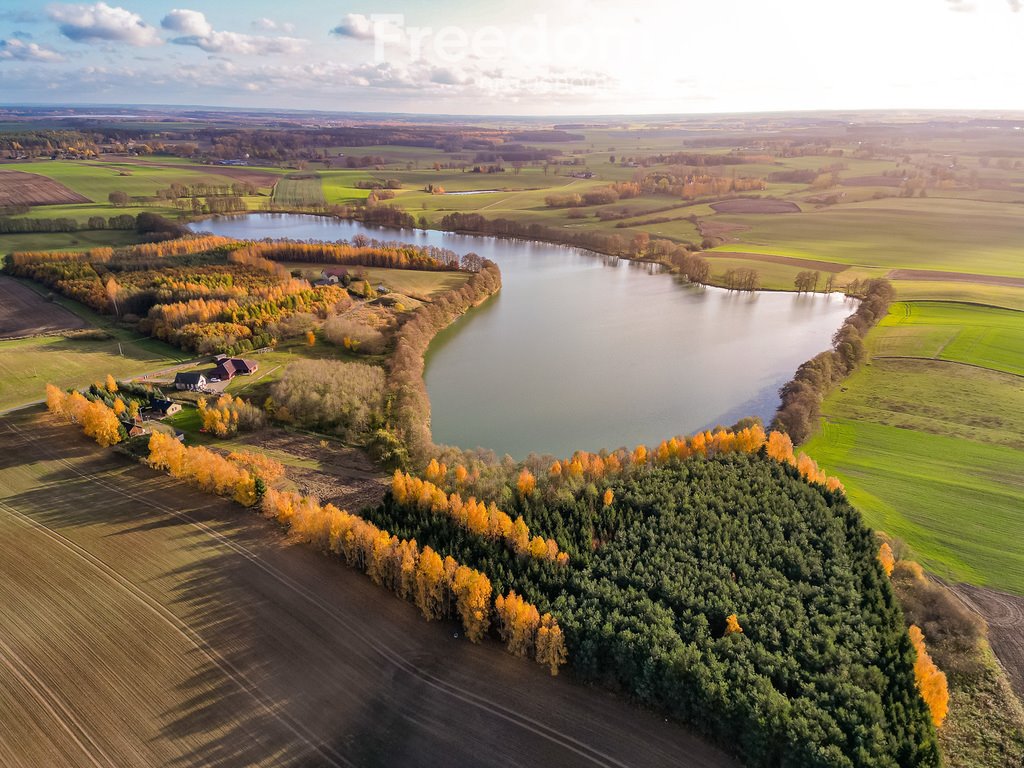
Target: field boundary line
950, 362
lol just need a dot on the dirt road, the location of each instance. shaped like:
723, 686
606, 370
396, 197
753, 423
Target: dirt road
1004, 614
142, 623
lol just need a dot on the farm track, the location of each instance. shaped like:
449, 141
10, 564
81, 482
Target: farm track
956, 277
268, 653
1004, 614
770, 258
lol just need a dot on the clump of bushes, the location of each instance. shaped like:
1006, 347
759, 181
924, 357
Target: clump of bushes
346, 399
355, 335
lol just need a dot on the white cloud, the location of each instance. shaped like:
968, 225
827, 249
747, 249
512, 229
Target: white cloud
22, 51
196, 31
90, 23
187, 22
355, 25
269, 25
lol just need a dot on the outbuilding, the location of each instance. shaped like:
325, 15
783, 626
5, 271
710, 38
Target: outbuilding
193, 381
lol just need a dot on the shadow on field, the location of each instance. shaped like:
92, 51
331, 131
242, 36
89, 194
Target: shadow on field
294, 659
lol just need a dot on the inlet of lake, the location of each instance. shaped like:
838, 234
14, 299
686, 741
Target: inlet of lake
583, 351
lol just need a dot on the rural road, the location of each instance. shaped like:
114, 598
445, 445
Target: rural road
142, 623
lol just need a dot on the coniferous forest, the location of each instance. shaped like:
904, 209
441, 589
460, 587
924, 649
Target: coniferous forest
725, 591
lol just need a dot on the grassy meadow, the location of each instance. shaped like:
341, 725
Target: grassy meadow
929, 438
975, 335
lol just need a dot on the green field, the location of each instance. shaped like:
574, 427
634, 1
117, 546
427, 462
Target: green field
95, 179
958, 503
956, 235
983, 336
90, 238
304, 192
930, 440
28, 365
972, 293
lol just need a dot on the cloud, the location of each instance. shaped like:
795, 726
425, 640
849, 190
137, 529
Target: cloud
1015, 5
22, 51
961, 6
195, 30
269, 25
90, 23
355, 25
187, 22
449, 76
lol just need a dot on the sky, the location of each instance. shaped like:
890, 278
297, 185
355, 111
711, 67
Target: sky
530, 57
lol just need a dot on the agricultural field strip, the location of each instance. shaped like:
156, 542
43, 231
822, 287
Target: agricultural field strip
52, 703
215, 657
382, 649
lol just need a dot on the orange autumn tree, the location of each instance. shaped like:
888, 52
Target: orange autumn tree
732, 624
525, 483
886, 558
473, 515
931, 681
551, 650
518, 622
56, 401
472, 591
205, 469
96, 419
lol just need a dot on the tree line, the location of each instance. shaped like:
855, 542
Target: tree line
800, 408
410, 403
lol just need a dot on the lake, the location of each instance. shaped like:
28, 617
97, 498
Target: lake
582, 351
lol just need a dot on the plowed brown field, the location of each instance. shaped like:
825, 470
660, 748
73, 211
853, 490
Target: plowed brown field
142, 623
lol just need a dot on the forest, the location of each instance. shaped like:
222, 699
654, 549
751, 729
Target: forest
727, 588
213, 294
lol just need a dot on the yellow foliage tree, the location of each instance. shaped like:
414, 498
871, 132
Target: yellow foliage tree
886, 558
518, 621
310, 338
551, 649
111, 384
56, 401
609, 497
931, 681
526, 483
472, 591
100, 423
732, 624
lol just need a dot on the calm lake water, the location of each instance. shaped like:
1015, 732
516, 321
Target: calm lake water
581, 351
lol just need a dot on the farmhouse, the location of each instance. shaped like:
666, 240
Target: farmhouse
192, 381
160, 408
134, 427
228, 369
333, 274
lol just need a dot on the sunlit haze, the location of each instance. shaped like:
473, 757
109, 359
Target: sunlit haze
575, 57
